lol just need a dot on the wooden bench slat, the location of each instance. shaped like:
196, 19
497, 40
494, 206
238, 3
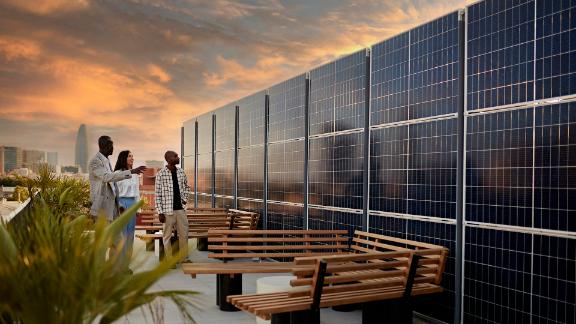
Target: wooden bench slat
398, 240
270, 232
266, 255
275, 247
212, 239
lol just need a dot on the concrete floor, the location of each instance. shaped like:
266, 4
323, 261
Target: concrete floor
205, 310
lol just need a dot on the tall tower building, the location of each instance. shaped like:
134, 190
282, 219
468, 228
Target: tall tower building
2, 160
82, 149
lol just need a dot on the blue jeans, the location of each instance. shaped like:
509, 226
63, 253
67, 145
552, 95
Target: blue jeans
128, 231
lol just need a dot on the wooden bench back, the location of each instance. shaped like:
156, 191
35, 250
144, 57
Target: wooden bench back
206, 210
203, 222
363, 272
434, 256
244, 219
285, 244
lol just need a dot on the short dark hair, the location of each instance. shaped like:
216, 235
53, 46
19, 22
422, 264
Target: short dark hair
122, 162
167, 154
103, 141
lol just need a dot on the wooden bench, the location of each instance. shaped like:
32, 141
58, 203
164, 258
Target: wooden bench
240, 245
227, 273
198, 226
368, 279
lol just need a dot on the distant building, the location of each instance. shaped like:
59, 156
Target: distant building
23, 172
32, 159
70, 169
52, 159
2, 160
81, 151
12, 157
154, 164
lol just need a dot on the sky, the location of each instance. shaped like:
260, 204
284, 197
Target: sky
137, 69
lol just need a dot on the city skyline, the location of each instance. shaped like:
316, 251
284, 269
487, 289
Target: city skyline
134, 71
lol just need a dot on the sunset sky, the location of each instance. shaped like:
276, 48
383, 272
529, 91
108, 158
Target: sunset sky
136, 70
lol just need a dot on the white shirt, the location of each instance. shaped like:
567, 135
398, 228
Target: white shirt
129, 187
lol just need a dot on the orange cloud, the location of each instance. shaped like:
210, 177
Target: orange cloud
45, 7
13, 48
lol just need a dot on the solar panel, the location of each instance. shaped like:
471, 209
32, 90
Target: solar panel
434, 68
555, 48
285, 217
251, 172
251, 119
390, 80
336, 171
497, 276
554, 172
500, 53
499, 168
334, 220
286, 171
337, 95
286, 111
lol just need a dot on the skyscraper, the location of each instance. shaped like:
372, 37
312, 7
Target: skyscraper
32, 159
1, 159
82, 149
52, 158
12, 158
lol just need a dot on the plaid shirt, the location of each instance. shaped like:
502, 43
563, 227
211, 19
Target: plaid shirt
165, 192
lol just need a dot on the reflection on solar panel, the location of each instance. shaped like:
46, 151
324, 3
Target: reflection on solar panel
285, 217
251, 172
285, 171
337, 94
336, 171
337, 220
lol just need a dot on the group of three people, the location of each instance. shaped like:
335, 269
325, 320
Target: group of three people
112, 191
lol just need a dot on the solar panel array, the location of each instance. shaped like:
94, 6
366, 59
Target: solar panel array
518, 108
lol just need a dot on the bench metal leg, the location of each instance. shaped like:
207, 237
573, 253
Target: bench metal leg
280, 318
390, 311
161, 252
202, 244
150, 244
346, 308
311, 316
228, 285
